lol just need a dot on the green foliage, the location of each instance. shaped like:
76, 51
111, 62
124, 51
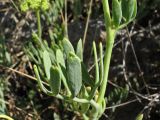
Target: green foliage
117, 96
47, 63
116, 12
79, 50
85, 76
56, 7
67, 75
123, 12
74, 73
2, 102
128, 9
5, 60
67, 46
5, 57
40, 83
59, 58
96, 64
135, 10
67, 68
3, 90
55, 81
101, 62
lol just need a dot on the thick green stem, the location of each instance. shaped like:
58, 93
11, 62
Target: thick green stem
39, 24
110, 36
109, 45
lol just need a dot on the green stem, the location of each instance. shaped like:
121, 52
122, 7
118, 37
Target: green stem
109, 46
101, 63
96, 63
85, 117
39, 24
5, 117
65, 82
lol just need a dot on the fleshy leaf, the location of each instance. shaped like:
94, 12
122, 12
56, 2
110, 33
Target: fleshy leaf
79, 51
47, 63
127, 9
52, 56
60, 58
85, 76
67, 46
40, 83
74, 74
55, 80
116, 12
135, 9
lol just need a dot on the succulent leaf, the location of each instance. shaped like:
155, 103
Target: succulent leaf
79, 51
127, 9
40, 83
116, 12
60, 58
55, 80
67, 46
74, 74
85, 76
135, 9
47, 63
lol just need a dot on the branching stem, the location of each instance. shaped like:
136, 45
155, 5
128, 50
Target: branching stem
111, 32
109, 46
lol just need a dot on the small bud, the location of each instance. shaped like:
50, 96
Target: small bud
35, 4
24, 6
45, 5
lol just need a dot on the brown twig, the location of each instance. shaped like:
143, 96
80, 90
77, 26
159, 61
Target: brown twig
22, 74
137, 62
122, 104
87, 23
